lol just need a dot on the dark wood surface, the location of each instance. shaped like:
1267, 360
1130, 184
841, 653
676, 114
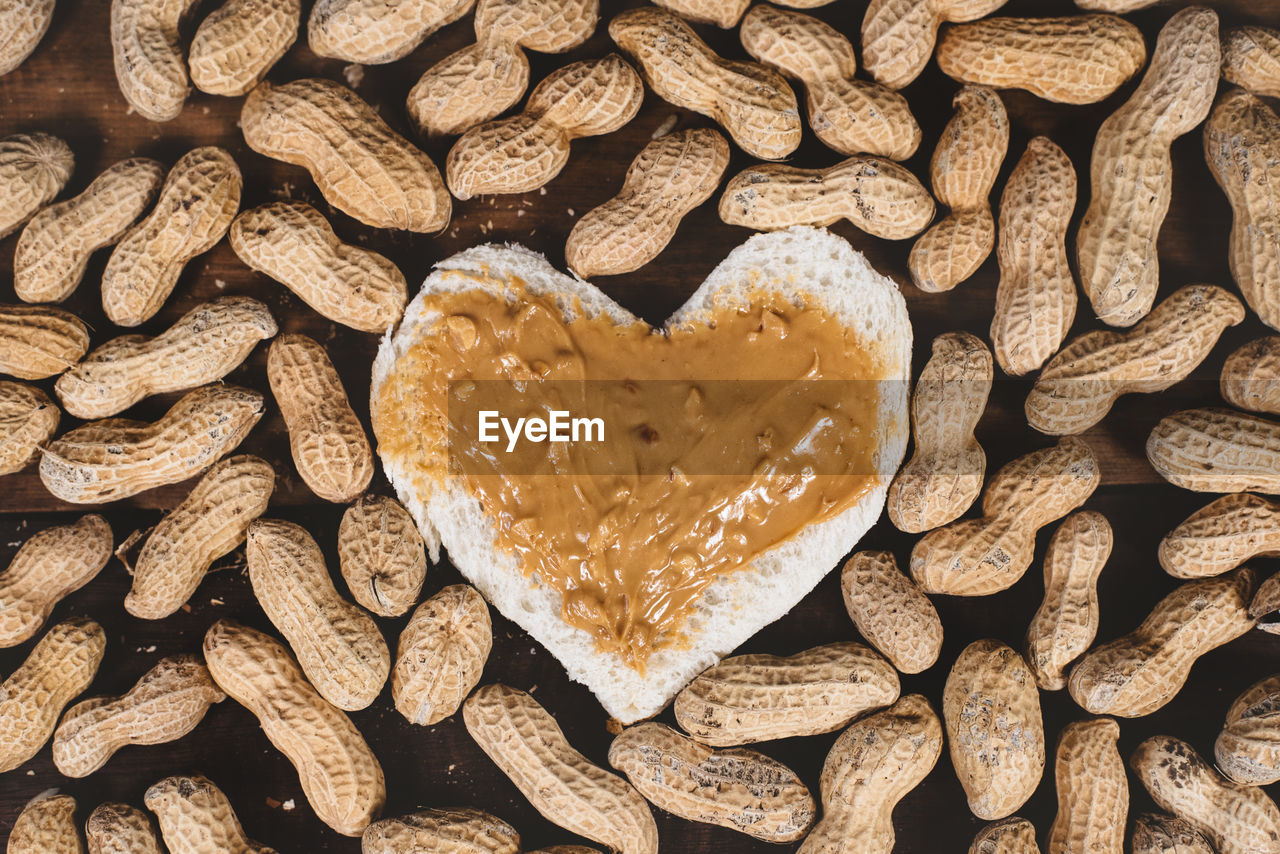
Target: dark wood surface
68, 88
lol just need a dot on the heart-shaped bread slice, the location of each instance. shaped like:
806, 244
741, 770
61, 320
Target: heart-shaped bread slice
639, 585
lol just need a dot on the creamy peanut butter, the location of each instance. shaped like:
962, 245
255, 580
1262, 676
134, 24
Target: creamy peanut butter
722, 440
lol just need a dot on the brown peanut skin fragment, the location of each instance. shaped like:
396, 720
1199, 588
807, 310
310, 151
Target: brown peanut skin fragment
1158, 833
381, 555
23, 24
1251, 59
441, 656
1248, 748
1217, 450
1222, 535
238, 43
51, 565
38, 341
889, 610
751, 698
963, 170
28, 419
46, 826
196, 818
447, 831
1007, 836
371, 32
872, 766
148, 55
898, 35
120, 829
1093, 792
1141, 672
34, 167
1251, 376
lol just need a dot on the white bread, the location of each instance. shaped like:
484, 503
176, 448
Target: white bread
826, 269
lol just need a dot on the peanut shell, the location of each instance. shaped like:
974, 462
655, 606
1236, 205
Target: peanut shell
34, 167
1093, 792
1158, 833
196, 817
1222, 535
28, 419
46, 825
889, 610
1217, 450
448, 831
51, 565
1007, 836
23, 24
1248, 748
441, 655
898, 35
381, 555
372, 32
38, 341
120, 829
1251, 58
238, 43
1251, 376
148, 55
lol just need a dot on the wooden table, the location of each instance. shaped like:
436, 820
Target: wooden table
68, 88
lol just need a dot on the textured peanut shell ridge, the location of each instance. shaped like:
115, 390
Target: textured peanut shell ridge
1222, 535
55, 245
994, 730
872, 766
38, 341
1079, 385
1036, 295
168, 702
1067, 620
889, 610
1266, 604
1007, 836
381, 555
1132, 174
441, 655
120, 829
527, 745
1248, 748
1251, 58
340, 776
199, 198
877, 196
23, 24
326, 439
1251, 376
34, 167
360, 165
963, 170
1142, 671
195, 817
115, 458
944, 475
47, 825
51, 565
752, 103
1093, 792
148, 55
448, 831
372, 32
723, 13
1159, 833
977, 557
751, 698
238, 43
1081, 59
737, 788
1242, 147
524, 152
850, 116
294, 244
668, 179
898, 35
1217, 450
202, 346
1235, 819
59, 668
28, 419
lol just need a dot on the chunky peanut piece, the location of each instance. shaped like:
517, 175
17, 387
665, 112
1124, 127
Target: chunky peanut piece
872, 766
850, 116
1222, 535
1007, 836
898, 35
361, 166
994, 729
203, 346
27, 420
977, 557
148, 55
238, 43
448, 831
326, 439
1131, 173
51, 565
23, 24
1158, 833
120, 829
723, 13
113, 459
294, 244
528, 746
1251, 58
46, 825
168, 702
889, 610
55, 246
382, 555
739, 789
1067, 621
1251, 376
1235, 819
669, 178
1217, 450
59, 668
1079, 385
197, 203
374, 32
1141, 672
1093, 793
1036, 296
1248, 748
483, 80
878, 196
39, 341
944, 474
754, 104
196, 817
340, 776
1081, 59
441, 655
750, 698
34, 167
524, 152
963, 171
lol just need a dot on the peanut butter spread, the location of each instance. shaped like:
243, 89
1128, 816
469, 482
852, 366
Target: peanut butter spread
722, 439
